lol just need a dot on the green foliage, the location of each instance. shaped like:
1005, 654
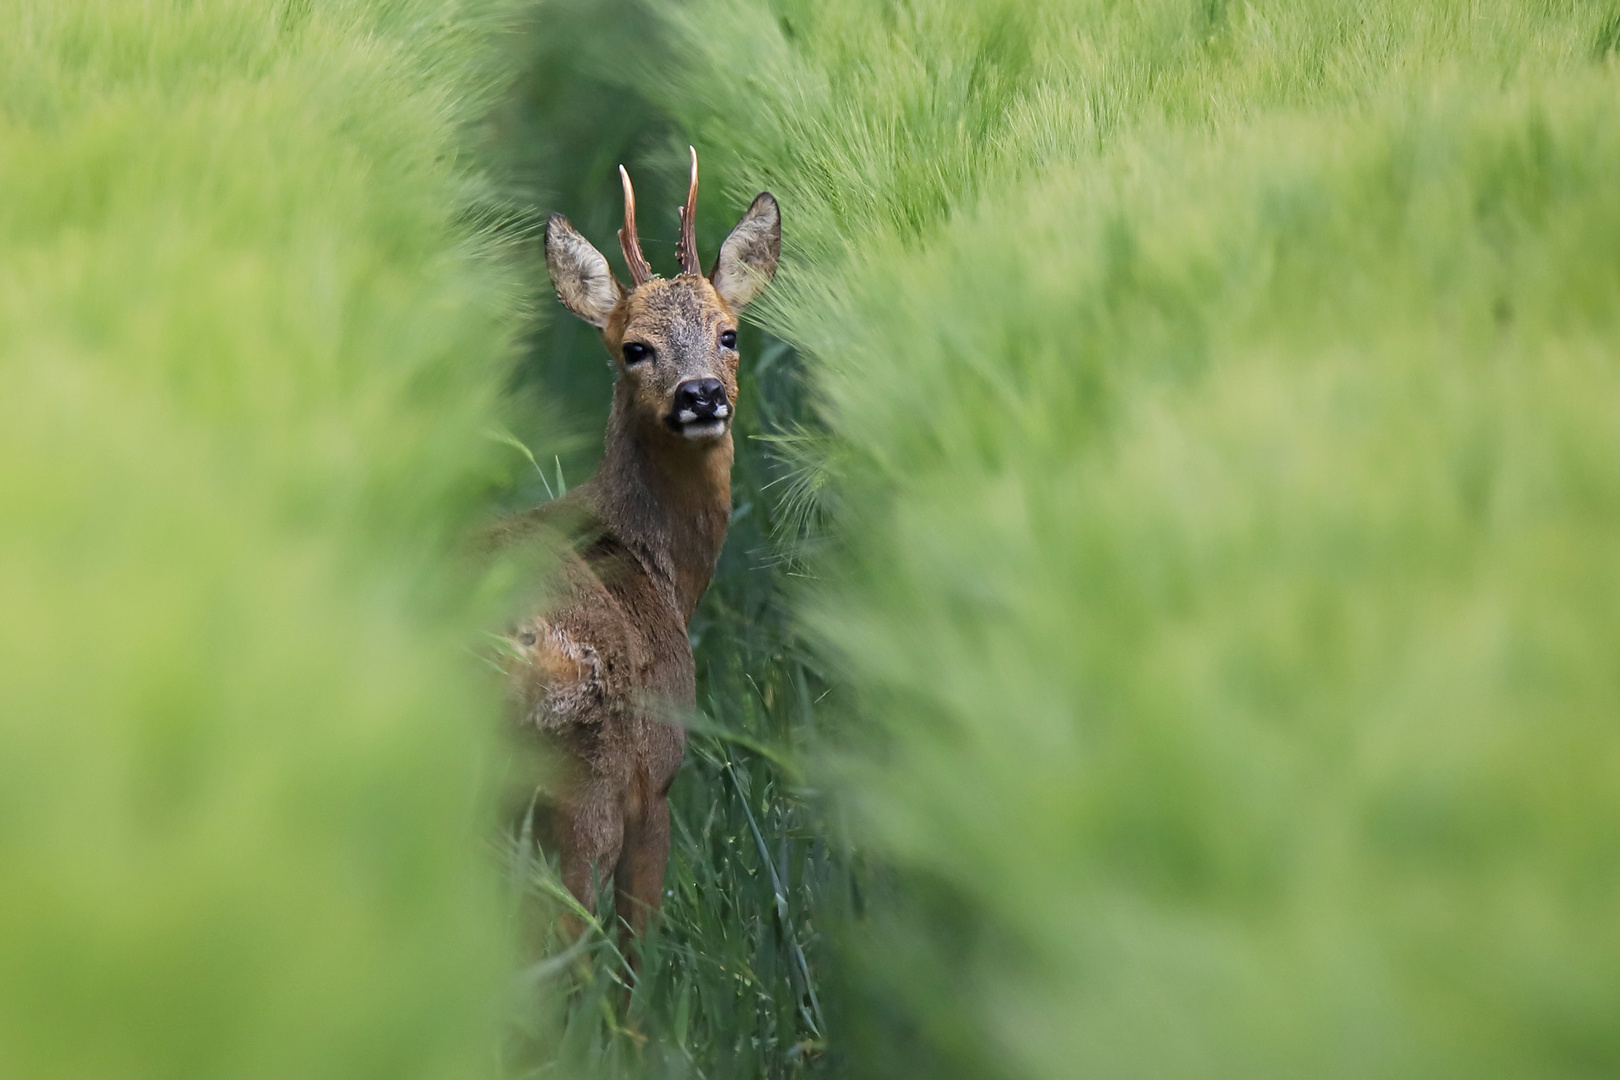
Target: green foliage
250, 350
1224, 418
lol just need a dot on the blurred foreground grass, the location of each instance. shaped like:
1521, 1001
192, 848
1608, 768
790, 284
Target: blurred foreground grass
1225, 483
249, 350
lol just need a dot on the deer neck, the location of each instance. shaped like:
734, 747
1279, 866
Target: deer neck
666, 499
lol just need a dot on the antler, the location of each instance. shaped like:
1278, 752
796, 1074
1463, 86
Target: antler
686, 249
640, 272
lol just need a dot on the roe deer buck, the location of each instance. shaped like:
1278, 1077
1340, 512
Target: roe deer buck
597, 671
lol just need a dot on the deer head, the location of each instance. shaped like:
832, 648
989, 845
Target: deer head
674, 341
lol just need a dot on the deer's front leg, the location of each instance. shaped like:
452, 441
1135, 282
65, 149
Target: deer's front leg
589, 834
639, 880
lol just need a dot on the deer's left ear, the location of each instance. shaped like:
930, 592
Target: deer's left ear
579, 273
748, 257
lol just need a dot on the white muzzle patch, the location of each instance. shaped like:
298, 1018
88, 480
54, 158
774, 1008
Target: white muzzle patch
706, 429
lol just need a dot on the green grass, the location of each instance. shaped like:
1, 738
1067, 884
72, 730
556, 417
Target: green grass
1167, 628
251, 344
1224, 404
1212, 507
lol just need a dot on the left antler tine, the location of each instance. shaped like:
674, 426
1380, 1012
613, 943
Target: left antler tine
687, 247
640, 271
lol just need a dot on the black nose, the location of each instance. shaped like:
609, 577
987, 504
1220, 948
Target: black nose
704, 399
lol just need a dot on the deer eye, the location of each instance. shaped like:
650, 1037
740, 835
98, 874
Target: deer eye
728, 339
635, 352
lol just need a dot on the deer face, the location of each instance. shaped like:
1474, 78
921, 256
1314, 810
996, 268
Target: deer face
676, 345
674, 341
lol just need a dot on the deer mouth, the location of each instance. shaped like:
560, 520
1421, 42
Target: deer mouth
707, 424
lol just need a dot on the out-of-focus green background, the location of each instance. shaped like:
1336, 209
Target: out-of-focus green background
1168, 627
250, 344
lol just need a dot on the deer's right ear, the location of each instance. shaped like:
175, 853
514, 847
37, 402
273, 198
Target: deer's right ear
579, 273
748, 257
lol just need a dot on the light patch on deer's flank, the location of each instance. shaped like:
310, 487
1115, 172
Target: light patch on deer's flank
569, 670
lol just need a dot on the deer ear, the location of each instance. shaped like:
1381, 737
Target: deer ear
579, 273
748, 257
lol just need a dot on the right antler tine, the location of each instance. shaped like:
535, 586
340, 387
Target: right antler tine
687, 247
640, 272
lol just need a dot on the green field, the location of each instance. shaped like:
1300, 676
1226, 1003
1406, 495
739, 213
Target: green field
1212, 449
1171, 624
250, 345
